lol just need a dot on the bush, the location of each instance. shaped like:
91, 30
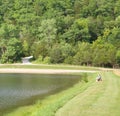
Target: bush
40, 59
46, 60
68, 60
56, 55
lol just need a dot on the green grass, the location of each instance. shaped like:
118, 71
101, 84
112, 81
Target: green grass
50, 66
99, 99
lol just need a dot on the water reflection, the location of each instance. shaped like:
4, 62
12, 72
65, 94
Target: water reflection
23, 89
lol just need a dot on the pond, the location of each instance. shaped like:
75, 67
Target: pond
24, 89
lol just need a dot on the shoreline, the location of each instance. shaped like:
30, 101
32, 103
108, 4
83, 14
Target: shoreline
43, 71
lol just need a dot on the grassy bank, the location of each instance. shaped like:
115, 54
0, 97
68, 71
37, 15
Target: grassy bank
45, 66
99, 99
50, 105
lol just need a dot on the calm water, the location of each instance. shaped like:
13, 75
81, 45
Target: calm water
23, 89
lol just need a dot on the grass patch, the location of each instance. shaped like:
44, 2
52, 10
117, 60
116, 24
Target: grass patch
45, 66
51, 104
100, 99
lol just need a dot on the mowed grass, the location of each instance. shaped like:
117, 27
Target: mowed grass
47, 66
99, 99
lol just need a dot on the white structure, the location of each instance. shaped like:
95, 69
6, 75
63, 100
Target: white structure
25, 60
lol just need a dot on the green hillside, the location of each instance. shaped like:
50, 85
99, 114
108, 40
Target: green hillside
82, 32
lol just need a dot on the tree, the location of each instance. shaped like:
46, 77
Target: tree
8, 31
40, 49
56, 55
68, 52
13, 51
47, 31
64, 22
118, 57
103, 53
83, 54
77, 32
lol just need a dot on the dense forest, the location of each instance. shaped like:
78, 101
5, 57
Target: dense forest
79, 32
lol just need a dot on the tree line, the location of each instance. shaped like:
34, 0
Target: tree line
80, 32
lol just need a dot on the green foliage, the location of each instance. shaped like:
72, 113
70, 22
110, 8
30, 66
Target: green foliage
83, 55
39, 59
68, 60
67, 50
40, 25
46, 60
118, 56
47, 31
103, 53
25, 48
77, 32
56, 55
39, 48
12, 52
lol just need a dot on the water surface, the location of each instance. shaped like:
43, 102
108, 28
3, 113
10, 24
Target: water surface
23, 89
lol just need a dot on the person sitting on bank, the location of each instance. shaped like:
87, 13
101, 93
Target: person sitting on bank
99, 78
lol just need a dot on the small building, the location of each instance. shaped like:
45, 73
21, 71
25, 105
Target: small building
26, 60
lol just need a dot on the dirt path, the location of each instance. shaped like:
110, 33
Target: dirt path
100, 99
